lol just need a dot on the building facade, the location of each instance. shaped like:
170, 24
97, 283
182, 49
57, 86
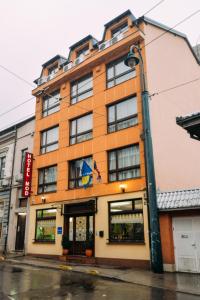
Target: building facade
15, 141
88, 109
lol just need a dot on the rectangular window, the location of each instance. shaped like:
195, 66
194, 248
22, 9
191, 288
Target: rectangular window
122, 28
81, 89
51, 103
53, 70
81, 129
117, 72
75, 172
124, 163
83, 51
45, 225
122, 115
23, 152
49, 140
47, 180
2, 166
126, 221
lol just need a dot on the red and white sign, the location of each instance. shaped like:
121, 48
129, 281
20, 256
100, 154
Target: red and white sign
26, 189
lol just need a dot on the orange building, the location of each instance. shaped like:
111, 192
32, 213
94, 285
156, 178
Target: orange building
88, 109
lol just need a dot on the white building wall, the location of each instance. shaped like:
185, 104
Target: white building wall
170, 62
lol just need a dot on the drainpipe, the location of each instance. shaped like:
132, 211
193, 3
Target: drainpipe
10, 191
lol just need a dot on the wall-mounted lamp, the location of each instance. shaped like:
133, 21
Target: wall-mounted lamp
43, 199
122, 187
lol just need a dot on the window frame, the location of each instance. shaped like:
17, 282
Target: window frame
118, 170
47, 98
120, 28
79, 134
76, 82
125, 212
2, 169
76, 179
82, 51
43, 219
43, 184
117, 121
115, 77
50, 144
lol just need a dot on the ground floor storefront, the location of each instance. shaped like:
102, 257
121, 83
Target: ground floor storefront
114, 228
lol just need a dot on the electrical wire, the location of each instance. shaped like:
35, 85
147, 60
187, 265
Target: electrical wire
159, 36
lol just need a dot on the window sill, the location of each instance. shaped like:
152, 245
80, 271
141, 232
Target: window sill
52, 192
125, 243
43, 242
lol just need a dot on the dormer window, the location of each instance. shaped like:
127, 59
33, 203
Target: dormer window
120, 29
83, 51
53, 70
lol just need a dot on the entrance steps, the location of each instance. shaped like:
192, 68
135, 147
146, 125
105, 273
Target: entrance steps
78, 259
13, 254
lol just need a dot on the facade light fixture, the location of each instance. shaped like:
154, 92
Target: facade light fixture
122, 187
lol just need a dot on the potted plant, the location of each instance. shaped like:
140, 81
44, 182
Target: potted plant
65, 244
89, 248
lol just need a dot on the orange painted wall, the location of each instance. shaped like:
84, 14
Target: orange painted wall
167, 238
102, 141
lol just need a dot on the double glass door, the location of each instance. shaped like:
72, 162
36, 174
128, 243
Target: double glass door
80, 231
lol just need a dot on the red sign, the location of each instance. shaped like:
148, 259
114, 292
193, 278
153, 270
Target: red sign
26, 189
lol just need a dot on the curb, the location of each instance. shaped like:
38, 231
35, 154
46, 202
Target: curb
97, 273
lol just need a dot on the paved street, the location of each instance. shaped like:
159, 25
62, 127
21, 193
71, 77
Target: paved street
26, 282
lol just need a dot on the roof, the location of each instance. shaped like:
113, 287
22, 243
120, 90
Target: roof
180, 199
53, 59
191, 123
170, 30
17, 125
84, 40
197, 50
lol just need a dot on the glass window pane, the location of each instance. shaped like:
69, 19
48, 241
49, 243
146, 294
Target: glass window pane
49, 212
51, 148
129, 174
71, 229
120, 67
112, 160
52, 135
50, 174
128, 157
110, 72
111, 128
126, 108
85, 84
125, 77
49, 188
111, 114
127, 123
112, 177
73, 127
45, 230
84, 137
138, 204
110, 84
121, 206
85, 95
84, 123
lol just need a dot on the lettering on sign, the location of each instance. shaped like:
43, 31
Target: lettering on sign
26, 189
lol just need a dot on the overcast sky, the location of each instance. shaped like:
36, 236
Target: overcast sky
33, 31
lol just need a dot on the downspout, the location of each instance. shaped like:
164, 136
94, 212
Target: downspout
10, 191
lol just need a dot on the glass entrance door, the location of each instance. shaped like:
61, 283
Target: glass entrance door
80, 232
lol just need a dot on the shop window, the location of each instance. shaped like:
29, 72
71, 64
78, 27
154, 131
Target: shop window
117, 72
49, 140
126, 221
81, 89
51, 103
47, 180
81, 129
124, 163
2, 166
75, 166
122, 115
45, 225
122, 28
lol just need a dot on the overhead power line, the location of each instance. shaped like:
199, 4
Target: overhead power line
16, 106
156, 38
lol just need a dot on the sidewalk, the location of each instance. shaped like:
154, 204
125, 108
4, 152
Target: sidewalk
179, 282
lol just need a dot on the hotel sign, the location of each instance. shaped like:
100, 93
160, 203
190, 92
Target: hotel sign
26, 188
